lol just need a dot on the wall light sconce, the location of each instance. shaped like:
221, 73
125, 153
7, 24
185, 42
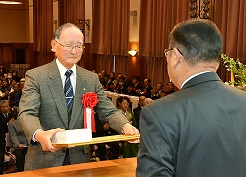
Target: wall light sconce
10, 2
132, 52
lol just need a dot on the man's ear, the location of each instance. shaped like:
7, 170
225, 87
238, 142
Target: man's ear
178, 58
53, 45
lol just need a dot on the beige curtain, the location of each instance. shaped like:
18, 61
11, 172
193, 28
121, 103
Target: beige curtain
230, 17
6, 55
73, 11
42, 30
103, 62
121, 64
110, 33
157, 18
156, 71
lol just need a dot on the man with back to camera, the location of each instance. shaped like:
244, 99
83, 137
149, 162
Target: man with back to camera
198, 131
45, 109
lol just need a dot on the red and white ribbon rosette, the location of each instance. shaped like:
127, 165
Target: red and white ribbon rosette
89, 100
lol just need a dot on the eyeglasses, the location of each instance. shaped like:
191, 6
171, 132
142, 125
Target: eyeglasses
166, 50
78, 47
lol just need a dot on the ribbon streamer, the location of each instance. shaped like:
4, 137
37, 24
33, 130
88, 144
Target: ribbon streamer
89, 100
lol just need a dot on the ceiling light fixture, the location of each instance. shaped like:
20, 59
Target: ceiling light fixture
132, 52
10, 2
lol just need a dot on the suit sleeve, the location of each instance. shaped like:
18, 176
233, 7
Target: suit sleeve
155, 156
106, 110
29, 106
13, 135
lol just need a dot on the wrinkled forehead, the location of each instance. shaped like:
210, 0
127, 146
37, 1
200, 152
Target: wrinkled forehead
71, 34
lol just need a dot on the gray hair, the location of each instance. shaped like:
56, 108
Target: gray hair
59, 30
197, 40
3, 102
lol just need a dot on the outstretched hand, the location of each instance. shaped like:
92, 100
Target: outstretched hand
128, 129
43, 137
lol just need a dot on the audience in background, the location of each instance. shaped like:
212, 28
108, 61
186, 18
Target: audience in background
148, 101
129, 149
112, 78
2, 70
19, 143
9, 89
122, 85
9, 77
155, 94
101, 79
103, 129
136, 86
107, 80
111, 87
6, 111
170, 88
5, 89
12, 96
3, 131
15, 76
147, 88
127, 81
137, 110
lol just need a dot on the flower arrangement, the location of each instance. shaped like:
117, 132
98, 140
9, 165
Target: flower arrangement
238, 70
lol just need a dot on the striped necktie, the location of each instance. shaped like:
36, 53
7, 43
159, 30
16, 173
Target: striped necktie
68, 89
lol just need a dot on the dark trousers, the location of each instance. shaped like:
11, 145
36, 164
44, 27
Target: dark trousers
114, 148
2, 152
67, 158
20, 158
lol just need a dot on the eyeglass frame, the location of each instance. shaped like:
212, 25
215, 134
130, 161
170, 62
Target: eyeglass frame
166, 50
72, 46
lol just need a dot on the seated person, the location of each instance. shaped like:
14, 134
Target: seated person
129, 149
155, 94
19, 143
170, 88
5, 89
12, 97
6, 111
130, 91
111, 87
105, 130
136, 87
137, 110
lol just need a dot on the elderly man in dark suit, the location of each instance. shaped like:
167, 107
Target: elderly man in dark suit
198, 131
45, 108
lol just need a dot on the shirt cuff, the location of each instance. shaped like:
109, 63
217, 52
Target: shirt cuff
33, 136
122, 131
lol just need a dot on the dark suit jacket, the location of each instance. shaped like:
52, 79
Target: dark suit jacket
137, 112
10, 116
43, 106
3, 130
147, 91
196, 132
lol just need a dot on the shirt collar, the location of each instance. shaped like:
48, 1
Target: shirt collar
193, 77
62, 69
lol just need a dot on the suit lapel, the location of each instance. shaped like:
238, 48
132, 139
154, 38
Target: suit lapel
56, 88
81, 89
